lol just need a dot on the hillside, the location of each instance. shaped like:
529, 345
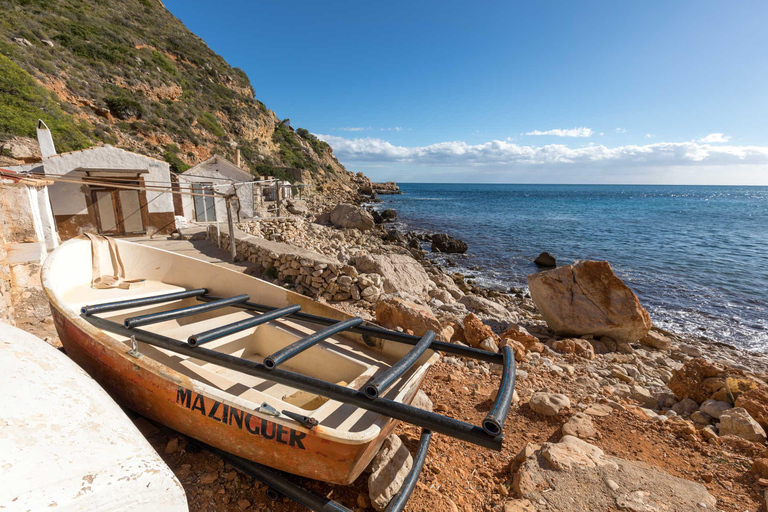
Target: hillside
131, 74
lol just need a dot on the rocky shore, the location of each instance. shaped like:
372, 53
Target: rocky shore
610, 413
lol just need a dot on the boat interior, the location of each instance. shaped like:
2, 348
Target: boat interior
337, 359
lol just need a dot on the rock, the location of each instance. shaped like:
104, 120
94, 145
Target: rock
698, 379
172, 446
392, 312
549, 404
422, 401
545, 260
209, 478
588, 298
656, 340
755, 402
401, 273
527, 340
24, 149
482, 305
389, 215
47, 42
475, 331
21, 41
760, 467
685, 407
394, 236
643, 396
489, 345
579, 425
715, 408
388, 471
581, 348
442, 242
348, 216
574, 475
738, 422
297, 207
519, 506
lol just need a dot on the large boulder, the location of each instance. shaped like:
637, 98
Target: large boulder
484, 306
573, 475
393, 312
401, 273
738, 422
588, 298
442, 242
389, 469
348, 216
475, 331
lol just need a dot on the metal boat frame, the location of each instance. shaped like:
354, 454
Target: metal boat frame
489, 434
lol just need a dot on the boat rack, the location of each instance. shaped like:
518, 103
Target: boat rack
488, 435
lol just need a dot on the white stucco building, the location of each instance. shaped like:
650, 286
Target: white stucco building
105, 189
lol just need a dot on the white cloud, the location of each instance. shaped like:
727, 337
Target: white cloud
353, 129
621, 130
648, 135
506, 153
713, 138
571, 132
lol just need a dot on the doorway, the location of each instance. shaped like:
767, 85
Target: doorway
205, 207
118, 211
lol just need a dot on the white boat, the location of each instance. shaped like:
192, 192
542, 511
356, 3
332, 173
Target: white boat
65, 445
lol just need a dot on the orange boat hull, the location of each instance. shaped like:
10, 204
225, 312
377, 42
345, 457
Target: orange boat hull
177, 402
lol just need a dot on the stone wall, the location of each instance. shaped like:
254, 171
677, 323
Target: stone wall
310, 273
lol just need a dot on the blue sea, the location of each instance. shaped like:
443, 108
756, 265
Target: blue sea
697, 256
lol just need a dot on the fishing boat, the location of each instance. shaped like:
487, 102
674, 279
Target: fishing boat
246, 366
65, 444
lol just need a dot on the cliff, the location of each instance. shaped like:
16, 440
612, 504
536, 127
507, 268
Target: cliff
131, 74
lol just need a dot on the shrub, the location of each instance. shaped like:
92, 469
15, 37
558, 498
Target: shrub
271, 272
209, 122
123, 107
177, 164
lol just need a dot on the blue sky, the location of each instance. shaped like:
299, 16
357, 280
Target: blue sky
536, 91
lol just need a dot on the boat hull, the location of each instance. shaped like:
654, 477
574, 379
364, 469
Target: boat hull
185, 405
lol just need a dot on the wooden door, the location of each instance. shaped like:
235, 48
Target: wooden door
118, 211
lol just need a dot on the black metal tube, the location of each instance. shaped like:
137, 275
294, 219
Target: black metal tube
494, 421
277, 482
380, 384
297, 347
379, 332
399, 500
172, 314
144, 301
390, 408
225, 330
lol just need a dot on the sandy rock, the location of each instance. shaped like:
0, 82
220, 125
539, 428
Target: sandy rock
760, 467
715, 408
526, 339
579, 425
489, 344
401, 273
701, 419
738, 422
587, 298
392, 312
483, 305
388, 471
475, 331
581, 348
755, 402
699, 379
549, 404
348, 216
23, 149
656, 340
583, 478
519, 506
643, 396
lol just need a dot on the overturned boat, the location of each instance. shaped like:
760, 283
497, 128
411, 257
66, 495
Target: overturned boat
65, 444
245, 366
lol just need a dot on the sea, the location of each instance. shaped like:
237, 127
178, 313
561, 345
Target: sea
696, 256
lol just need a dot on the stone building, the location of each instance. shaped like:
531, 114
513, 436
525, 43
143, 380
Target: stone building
216, 175
104, 189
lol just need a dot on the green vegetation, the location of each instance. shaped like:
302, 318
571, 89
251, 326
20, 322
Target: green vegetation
171, 156
154, 76
23, 102
209, 122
